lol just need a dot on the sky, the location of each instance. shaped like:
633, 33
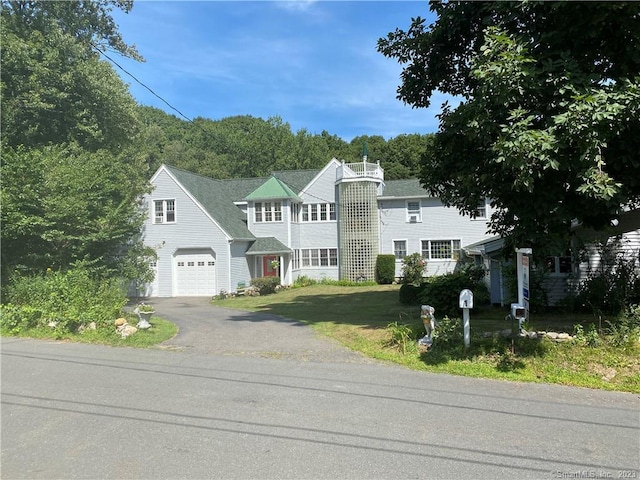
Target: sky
312, 63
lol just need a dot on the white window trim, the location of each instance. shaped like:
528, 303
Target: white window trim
412, 213
315, 254
164, 211
484, 206
393, 248
453, 250
307, 209
263, 212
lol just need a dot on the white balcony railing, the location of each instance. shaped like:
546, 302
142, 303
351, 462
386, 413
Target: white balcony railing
362, 170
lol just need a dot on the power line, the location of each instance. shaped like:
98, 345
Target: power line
138, 81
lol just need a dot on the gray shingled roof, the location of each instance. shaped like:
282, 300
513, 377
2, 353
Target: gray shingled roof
297, 180
267, 245
404, 189
217, 196
214, 196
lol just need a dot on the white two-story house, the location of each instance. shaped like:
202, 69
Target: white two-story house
216, 235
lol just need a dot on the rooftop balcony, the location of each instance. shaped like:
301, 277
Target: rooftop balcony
359, 171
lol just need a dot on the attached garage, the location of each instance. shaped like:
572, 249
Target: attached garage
195, 273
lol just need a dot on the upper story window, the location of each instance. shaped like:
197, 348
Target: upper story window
318, 212
268, 212
481, 210
400, 249
164, 211
414, 212
441, 249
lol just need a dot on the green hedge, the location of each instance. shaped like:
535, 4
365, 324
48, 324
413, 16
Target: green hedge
265, 285
385, 269
443, 292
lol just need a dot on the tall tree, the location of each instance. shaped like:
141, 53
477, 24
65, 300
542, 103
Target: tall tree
547, 126
54, 87
71, 179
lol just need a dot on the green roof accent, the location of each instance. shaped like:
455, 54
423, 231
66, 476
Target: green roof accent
267, 246
273, 188
404, 189
214, 196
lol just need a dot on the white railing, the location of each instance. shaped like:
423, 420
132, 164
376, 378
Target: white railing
362, 169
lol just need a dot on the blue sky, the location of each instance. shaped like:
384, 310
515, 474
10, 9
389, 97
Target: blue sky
313, 63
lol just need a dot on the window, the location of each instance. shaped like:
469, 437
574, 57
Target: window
323, 212
558, 265
164, 211
441, 249
295, 213
318, 212
481, 211
425, 249
400, 249
268, 212
333, 257
317, 257
414, 213
324, 257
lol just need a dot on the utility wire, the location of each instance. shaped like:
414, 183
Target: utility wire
138, 81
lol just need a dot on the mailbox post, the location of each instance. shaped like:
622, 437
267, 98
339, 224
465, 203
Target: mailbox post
466, 303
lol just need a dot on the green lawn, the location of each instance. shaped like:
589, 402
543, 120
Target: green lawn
160, 331
358, 317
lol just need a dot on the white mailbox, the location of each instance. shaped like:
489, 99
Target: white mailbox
518, 311
466, 298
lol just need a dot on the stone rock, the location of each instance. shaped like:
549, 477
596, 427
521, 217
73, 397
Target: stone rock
552, 335
92, 326
120, 321
126, 330
533, 335
52, 324
564, 336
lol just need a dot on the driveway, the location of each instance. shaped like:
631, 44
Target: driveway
204, 328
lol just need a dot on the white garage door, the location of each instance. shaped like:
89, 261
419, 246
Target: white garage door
195, 274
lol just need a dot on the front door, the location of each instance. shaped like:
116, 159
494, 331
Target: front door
270, 266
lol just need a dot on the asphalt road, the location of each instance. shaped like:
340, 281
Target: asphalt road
201, 408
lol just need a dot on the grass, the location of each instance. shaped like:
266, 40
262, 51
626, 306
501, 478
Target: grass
160, 331
367, 319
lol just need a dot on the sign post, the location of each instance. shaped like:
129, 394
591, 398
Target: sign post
522, 262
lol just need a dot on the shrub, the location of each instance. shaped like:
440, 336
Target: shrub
626, 329
409, 294
69, 298
402, 336
443, 292
413, 267
614, 285
265, 285
385, 269
16, 318
304, 281
448, 333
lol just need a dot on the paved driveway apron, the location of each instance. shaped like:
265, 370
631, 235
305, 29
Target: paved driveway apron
204, 328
